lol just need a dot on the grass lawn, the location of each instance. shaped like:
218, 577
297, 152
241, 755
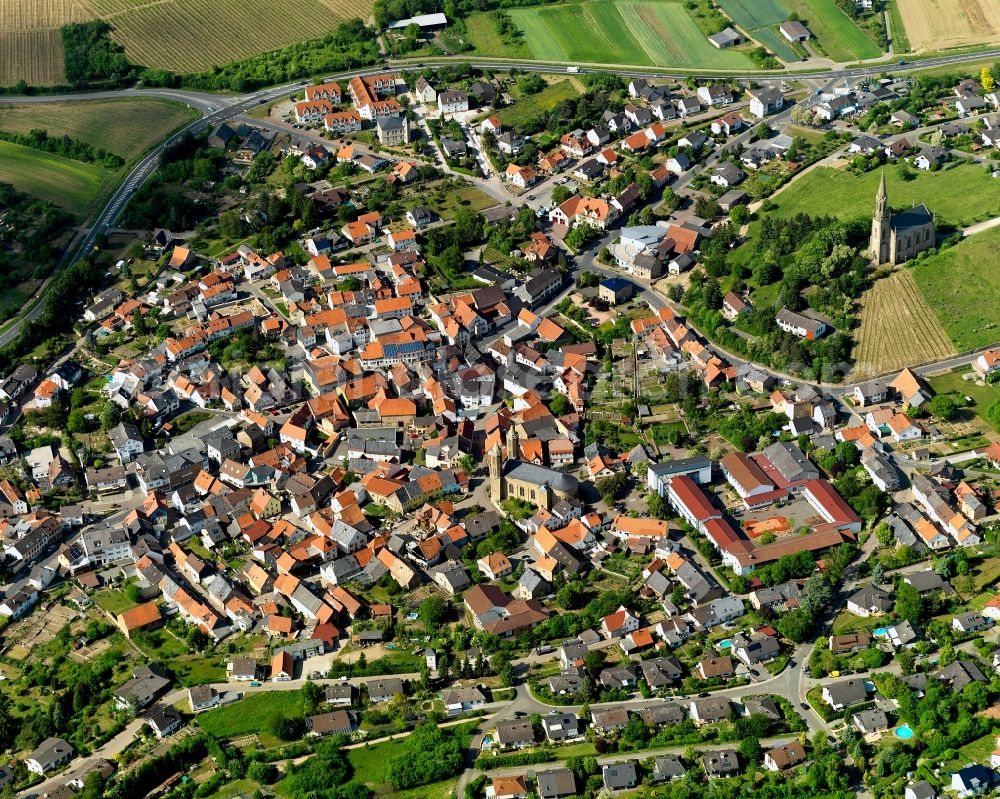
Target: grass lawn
482, 35
958, 197
981, 396
897, 30
126, 127
161, 645
252, 714
637, 32
849, 623
72, 185
836, 32
113, 601
371, 766
533, 106
199, 669
979, 750
962, 285
186, 421
772, 39
235, 790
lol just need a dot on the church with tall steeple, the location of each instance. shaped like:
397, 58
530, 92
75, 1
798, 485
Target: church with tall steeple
510, 477
896, 238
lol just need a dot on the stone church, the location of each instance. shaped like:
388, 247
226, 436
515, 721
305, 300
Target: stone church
898, 237
514, 478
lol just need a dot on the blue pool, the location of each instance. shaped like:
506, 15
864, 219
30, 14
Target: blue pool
903, 732
487, 741
880, 632
725, 644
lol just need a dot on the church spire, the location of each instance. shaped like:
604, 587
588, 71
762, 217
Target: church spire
882, 200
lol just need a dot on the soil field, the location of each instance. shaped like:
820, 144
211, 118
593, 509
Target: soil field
638, 32
35, 57
898, 328
125, 127
937, 24
962, 285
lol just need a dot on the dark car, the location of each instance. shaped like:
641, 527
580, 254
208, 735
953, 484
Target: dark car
703, 694
804, 705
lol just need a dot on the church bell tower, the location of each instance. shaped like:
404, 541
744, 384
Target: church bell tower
878, 247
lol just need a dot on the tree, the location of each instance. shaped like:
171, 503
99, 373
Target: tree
559, 405
943, 407
132, 593
986, 80
906, 660
110, 414
739, 214
751, 751
432, 612
611, 486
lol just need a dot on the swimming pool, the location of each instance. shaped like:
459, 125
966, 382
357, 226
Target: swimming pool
903, 732
880, 632
725, 644
487, 741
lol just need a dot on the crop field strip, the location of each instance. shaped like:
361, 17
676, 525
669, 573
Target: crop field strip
898, 328
127, 127
190, 35
936, 24
639, 32
30, 43
32, 56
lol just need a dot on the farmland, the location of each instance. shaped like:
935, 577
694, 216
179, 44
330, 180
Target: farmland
962, 286
940, 24
958, 197
834, 31
180, 35
125, 127
69, 184
638, 32
837, 34
34, 56
898, 328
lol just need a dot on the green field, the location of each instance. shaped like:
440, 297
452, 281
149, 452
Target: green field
639, 32
534, 106
485, 40
252, 714
982, 396
772, 39
958, 197
836, 32
962, 285
69, 184
125, 127
750, 14
900, 43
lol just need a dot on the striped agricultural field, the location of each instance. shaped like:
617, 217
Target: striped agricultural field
191, 35
32, 56
898, 328
637, 32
